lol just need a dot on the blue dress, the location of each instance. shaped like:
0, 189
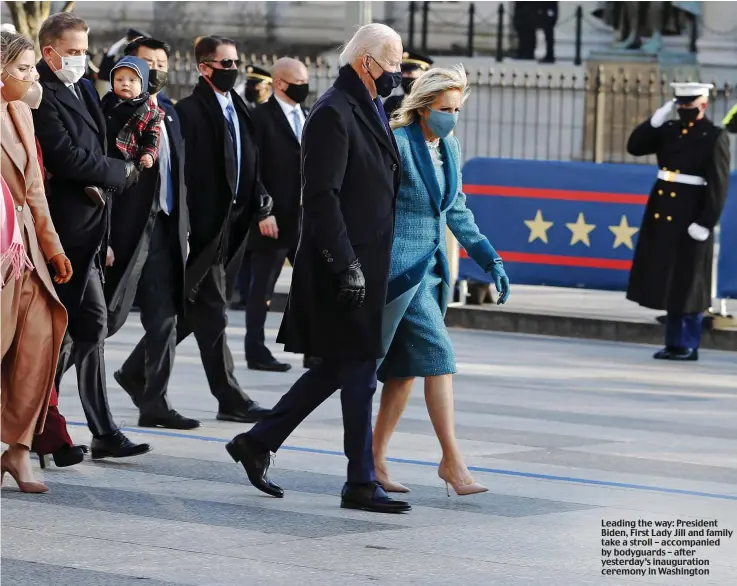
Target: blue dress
430, 198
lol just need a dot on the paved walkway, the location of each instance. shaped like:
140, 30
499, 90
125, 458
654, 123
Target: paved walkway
561, 301
566, 434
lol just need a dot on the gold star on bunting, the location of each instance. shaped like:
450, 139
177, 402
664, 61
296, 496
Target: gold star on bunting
538, 227
623, 233
580, 230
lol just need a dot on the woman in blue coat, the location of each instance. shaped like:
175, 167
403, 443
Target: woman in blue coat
414, 333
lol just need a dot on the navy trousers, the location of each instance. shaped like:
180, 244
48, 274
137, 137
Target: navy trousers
683, 330
357, 383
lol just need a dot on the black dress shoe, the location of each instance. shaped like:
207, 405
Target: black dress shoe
311, 362
116, 445
255, 460
65, 456
128, 385
252, 413
167, 420
272, 365
371, 497
677, 354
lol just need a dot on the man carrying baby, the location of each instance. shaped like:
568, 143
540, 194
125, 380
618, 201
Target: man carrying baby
132, 119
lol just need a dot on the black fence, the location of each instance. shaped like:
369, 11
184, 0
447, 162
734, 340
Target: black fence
523, 115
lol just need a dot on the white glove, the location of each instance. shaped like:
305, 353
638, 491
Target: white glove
117, 46
662, 114
698, 232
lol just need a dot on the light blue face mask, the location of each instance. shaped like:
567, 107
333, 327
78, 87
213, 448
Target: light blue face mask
441, 123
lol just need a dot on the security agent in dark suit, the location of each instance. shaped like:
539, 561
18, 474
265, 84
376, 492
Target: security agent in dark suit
278, 127
71, 131
149, 228
350, 179
413, 65
672, 263
224, 194
528, 18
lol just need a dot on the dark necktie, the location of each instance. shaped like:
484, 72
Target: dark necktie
78, 92
382, 115
231, 127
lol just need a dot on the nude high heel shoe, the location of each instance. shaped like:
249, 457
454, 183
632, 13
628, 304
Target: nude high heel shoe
391, 486
30, 487
460, 489
382, 477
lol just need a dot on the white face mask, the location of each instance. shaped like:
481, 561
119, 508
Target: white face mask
72, 68
33, 95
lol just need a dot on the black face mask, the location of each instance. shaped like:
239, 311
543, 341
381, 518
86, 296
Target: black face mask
688, 114
157, 80
386, 82
297, 92
224, 79
407, 84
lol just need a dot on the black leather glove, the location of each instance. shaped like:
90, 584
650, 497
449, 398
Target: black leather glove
267, 204
352, 286
131, 174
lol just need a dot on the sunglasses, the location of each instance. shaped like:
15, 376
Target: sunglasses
225, 63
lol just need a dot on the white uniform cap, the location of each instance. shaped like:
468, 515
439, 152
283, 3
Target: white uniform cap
688, 91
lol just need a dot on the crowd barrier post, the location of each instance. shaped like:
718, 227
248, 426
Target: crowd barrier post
453, 249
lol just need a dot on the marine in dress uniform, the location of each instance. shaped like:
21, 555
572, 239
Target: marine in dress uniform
730, 120
413, 65
672, 264
258, 86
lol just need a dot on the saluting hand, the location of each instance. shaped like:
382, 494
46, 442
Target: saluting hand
62, 268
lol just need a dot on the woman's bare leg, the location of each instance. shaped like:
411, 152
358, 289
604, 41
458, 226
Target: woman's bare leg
439, 400
394, 397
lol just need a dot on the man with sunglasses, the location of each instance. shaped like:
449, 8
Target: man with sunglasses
224, 193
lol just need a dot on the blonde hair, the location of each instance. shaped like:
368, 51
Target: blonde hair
12, 46
370, 39
426, 89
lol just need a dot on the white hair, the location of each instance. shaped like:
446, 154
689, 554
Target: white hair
371, 39
426, 89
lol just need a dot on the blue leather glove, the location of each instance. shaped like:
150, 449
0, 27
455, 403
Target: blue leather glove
496, 270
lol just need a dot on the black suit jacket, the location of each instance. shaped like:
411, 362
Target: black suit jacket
350, 179
132, 221
73, 143
279, 155
219, 218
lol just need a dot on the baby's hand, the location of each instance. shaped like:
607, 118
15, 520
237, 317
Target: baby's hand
147, 161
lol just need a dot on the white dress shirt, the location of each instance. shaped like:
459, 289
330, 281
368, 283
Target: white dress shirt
164, 169
289, 112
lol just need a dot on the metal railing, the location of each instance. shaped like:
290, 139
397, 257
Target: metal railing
524, 115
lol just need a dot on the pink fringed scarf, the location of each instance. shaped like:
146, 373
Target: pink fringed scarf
11, 241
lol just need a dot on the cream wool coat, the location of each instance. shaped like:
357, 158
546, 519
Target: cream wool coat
33, 321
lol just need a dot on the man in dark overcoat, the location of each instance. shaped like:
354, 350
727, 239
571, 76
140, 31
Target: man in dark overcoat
672, 263
149, 227
224, 193
70, 128
278, 127
350, 179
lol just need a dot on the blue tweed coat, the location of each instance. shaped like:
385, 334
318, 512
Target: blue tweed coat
413, 328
